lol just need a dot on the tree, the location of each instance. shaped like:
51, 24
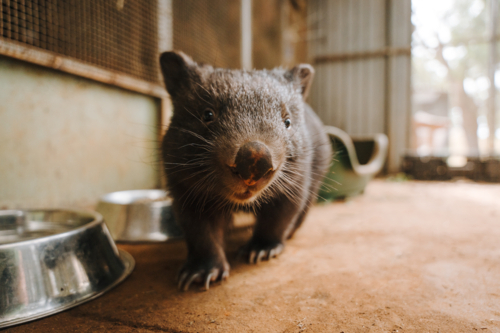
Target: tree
451, 54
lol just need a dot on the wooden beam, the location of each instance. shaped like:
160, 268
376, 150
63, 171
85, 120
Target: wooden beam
69, 65
386, 52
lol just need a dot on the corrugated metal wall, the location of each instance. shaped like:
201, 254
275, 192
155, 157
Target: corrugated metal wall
361, 52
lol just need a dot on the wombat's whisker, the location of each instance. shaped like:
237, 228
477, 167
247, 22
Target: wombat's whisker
286, 191
294, 186
211, 184
197, 118
203, 88
299, 171
195, 135
193, 189
185, 166
207, 148
299, 187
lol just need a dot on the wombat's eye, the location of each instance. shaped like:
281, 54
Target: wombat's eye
208, 115
288, 123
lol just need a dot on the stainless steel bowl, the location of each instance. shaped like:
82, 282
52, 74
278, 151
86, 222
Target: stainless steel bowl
139, 215
52, 260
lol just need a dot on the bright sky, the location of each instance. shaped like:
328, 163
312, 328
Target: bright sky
427, 19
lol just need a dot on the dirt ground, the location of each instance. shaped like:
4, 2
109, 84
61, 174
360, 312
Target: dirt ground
404, 257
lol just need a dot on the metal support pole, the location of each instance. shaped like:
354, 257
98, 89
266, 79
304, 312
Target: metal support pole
246, 34
491, 74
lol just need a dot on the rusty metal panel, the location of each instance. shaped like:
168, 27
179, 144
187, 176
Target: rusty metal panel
65, 140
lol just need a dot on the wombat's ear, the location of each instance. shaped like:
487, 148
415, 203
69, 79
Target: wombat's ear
303, 75
178, 70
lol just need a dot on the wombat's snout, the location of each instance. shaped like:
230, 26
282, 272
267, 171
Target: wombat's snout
253, 161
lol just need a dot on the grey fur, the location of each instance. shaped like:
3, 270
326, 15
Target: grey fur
248, 106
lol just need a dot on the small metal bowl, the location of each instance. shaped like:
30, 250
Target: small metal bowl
52, 260
139, 216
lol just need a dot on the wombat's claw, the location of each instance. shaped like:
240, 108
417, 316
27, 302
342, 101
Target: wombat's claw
208, 279
256, 253
185, 280
186, 277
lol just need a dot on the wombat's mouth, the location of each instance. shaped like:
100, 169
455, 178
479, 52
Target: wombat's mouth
243, 192
244, 196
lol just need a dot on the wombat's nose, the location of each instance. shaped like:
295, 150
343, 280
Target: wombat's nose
253, 161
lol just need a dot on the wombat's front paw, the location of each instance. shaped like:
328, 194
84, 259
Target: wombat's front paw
204, 271
256, 251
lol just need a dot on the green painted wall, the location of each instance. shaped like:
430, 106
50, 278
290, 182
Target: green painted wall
65, 140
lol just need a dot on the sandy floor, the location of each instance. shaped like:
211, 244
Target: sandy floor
405, 257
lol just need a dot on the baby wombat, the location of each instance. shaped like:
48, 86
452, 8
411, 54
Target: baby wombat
239, 140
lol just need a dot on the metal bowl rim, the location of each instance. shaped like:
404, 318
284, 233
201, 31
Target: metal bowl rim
105, 198
129, 263
96, 221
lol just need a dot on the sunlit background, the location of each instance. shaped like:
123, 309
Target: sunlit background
456, 79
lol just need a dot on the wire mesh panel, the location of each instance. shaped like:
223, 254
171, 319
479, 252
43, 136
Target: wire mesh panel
117, 35
208, 30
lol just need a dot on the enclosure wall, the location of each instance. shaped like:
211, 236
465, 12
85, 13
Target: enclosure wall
66, 140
